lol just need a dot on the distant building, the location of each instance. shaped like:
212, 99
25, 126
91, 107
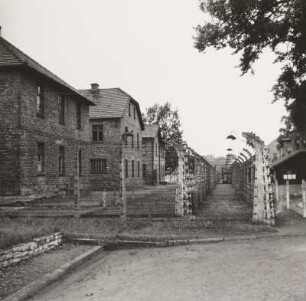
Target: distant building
280, 147
153, 155
116, 128
43, 128
286, 160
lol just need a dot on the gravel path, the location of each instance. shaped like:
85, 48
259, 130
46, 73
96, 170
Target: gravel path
15, 277
225, 204
265, 269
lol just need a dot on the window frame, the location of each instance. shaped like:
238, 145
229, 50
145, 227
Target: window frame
126, 173
61, 161
61, 108
98, 129
78, 116
138, 169
133, 169
80, 161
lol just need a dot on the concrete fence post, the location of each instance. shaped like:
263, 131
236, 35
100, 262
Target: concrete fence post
304, 197
287, 194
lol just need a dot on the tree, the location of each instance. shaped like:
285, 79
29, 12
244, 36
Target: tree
250, 26
170, 125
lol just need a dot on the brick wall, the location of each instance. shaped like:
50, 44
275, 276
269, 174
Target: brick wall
10, 82
148, 159
130, 152
47, 130
109, 149
154, 160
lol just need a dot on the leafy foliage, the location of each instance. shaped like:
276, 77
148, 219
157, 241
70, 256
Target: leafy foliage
170, 124
250, 26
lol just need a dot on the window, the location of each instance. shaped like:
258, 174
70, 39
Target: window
129, 109
80, 162
40, 157
61, 160
126, 168
40, 105
133, 172
132, 137
97, 132
134, 113
98, 166
125, 138
138, 169
61, 109
78, 116
138, 140
156, 149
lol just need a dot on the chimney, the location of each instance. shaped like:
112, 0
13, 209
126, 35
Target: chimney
94, 88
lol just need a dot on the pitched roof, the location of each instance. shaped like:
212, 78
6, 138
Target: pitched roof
110, 103
11, 56
284, 159
150, 131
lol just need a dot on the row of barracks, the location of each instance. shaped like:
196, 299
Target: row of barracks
51, 133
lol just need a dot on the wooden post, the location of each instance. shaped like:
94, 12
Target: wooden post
288, 194
277, 201
304, 197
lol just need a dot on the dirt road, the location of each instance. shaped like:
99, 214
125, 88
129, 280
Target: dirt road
264, 269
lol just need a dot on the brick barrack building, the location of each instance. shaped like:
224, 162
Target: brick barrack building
153, 155
44, 127
116, 139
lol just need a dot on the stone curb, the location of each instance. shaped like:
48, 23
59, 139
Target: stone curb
132, 244
51, 277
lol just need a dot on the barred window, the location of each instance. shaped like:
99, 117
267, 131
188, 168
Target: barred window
98, 166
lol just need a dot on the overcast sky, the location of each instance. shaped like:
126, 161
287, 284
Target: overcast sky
146, 48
